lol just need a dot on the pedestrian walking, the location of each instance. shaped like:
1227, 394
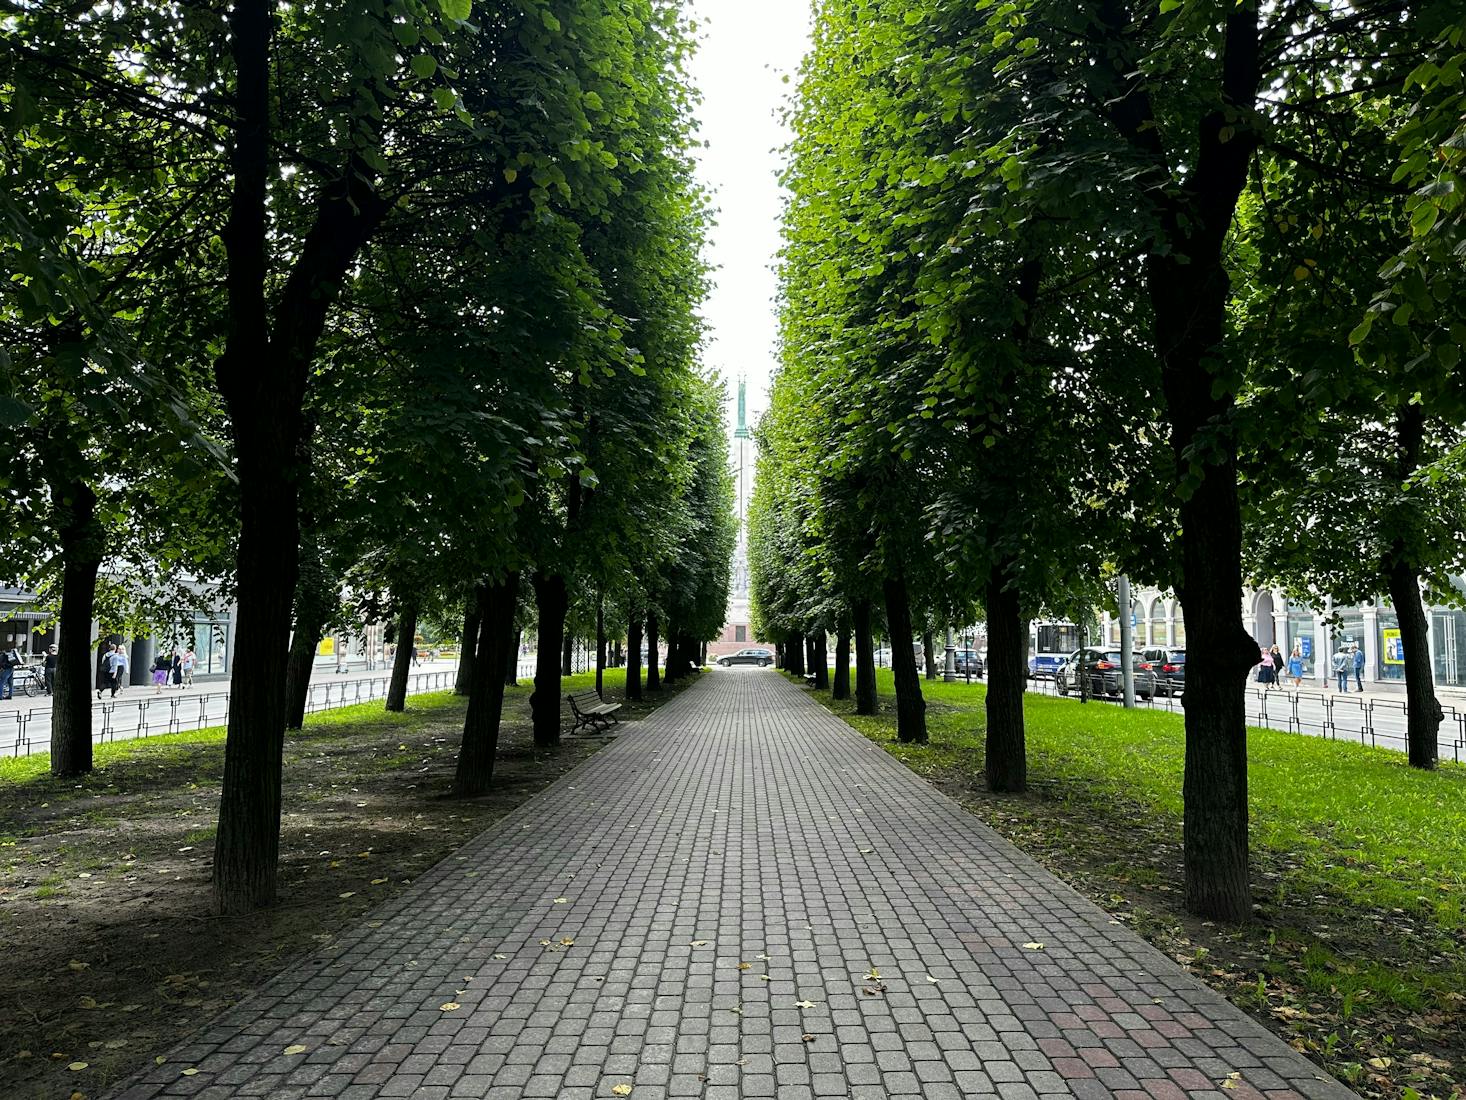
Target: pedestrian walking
1266, 674
10, 660
162, 666
1278, 664
1359, 666
115, 664
49, 667
186, 667
104, 668
175, 669
1340, 667
1295, 665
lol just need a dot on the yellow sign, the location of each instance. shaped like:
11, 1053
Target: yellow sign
1394, 648
327, 648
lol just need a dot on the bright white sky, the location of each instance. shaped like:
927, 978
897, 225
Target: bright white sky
747, 48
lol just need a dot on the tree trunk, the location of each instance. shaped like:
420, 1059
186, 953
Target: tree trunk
567, 653
552, 603
467, 647
929, 654
511, 658
633, 655
653, 676
840, 689
910, 706
600, 648
262, 375
310, 621
795, 646
1423, 710
675, 665
486, 691
865, 660
1006, 755
402, 660
1188, 288
81, 539
821, 661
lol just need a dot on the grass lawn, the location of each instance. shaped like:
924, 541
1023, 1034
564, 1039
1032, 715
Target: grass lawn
1357, 955
112, 953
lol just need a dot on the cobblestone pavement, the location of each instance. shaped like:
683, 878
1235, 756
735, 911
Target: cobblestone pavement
741, 897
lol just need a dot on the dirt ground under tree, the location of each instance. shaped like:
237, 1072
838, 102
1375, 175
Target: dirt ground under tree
112, 955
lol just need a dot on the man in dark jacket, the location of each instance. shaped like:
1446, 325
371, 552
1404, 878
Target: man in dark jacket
50, 667
10, 660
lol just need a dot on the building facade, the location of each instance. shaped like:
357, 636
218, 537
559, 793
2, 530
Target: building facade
1318, 632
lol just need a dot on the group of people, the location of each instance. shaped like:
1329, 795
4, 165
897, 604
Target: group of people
1271, 667
1347, 659
12, 661
176, 666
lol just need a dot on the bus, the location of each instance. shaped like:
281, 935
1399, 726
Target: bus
1049, 646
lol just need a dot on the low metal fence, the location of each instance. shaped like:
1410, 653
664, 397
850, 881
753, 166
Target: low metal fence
1339, 717
27, 731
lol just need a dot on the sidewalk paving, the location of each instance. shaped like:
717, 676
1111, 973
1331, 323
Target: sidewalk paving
694, 912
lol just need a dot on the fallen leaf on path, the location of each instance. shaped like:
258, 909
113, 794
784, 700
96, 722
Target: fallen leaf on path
501, 956
296, 1048
349, 893
621, 1090
1035, 946
745, 966
874, 975
934, 981
561, 901
449, 1006
378, 881
190, 1071
77, 1066
804, 1004
699, 943
807, 1037
75, 965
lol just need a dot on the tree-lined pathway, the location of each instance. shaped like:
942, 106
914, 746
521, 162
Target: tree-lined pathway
741, 897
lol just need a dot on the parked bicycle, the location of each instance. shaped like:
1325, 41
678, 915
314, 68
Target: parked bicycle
30, 679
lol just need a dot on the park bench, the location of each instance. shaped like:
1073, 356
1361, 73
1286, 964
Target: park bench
591, 711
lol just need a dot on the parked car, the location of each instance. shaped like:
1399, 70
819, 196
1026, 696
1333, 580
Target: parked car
1169, 669
1044, 666
883, 656
969, 663
761, 657
1105, 673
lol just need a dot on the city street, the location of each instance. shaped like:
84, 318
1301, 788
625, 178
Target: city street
1368, 718
139, 711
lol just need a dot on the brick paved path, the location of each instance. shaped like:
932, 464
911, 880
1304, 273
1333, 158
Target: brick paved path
694, 912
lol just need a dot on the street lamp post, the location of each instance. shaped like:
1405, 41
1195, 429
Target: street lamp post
949, 668
1127, 670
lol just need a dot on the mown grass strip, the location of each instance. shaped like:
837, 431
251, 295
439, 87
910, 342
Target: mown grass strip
1351, 817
